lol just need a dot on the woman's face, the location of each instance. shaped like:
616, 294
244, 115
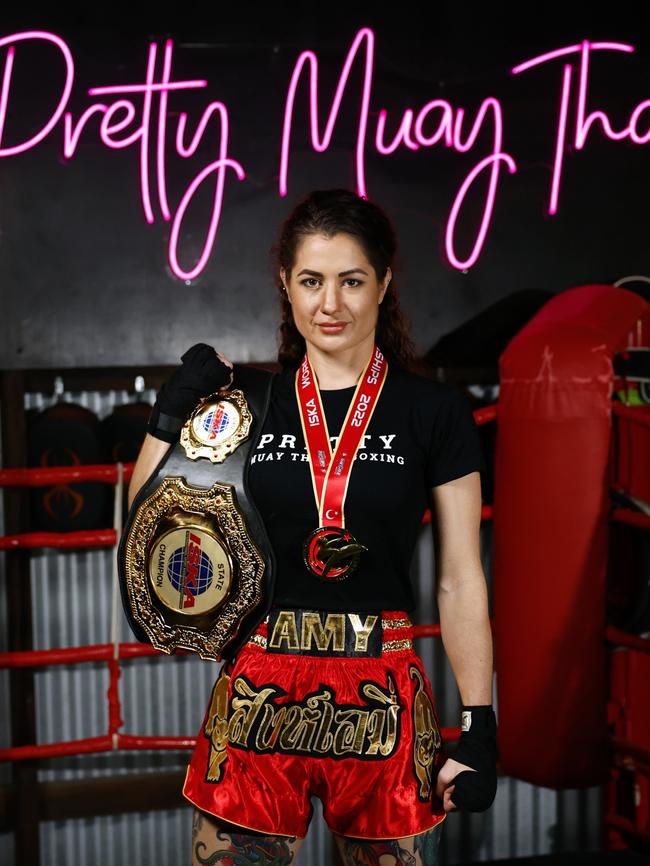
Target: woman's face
333, 281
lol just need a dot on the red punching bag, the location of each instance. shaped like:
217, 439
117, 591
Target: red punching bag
551, 519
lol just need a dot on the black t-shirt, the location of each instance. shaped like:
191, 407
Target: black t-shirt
422, 433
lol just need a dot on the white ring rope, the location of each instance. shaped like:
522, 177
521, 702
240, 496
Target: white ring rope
641, 278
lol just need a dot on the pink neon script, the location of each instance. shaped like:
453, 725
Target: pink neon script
117, 118
6, 82
583, 123
415, 130
121, 125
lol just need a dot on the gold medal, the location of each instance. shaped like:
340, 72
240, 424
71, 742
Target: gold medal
331, 553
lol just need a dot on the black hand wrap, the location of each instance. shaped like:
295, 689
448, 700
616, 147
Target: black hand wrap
202, 373
477, 747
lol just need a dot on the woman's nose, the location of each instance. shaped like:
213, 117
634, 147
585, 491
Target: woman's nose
331, 299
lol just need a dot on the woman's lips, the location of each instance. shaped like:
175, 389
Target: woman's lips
333, 328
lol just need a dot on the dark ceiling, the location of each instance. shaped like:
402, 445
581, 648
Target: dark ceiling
475, 32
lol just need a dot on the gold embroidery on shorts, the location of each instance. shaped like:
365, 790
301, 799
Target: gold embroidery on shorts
362, 630
318, 725
396, 623
377, 718
285, 629
216, 727
297, 631
393, 645
387, 645
333, 630
426, 735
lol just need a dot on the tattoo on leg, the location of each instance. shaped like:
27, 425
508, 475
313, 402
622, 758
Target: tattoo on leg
428, 844
366, 852
197, 821
242, 849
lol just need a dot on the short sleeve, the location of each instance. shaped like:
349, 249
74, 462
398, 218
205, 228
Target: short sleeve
455, 447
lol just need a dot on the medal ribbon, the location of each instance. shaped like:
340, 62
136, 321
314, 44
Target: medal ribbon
330, 473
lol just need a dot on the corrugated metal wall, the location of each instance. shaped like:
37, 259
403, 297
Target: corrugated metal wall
72, 594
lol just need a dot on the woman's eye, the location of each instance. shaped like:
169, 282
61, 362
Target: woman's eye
309, 280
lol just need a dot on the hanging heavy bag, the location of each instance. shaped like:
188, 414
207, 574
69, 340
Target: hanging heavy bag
67, 434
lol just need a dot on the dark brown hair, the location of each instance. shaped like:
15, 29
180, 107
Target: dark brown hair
330, 212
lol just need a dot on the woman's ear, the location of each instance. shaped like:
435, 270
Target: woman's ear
387, 279
284, 283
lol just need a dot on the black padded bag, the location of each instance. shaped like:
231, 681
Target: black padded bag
67, 434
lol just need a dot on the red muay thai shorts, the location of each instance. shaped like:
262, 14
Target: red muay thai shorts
335, 705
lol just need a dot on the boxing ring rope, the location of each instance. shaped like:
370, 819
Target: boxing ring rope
625, 754
38, 477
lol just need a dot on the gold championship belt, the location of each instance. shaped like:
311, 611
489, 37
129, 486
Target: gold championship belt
195, 561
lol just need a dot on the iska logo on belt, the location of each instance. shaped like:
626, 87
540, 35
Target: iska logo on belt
191, 569
216, 421
217, 426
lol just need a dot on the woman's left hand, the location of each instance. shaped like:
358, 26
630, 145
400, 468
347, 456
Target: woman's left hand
444, 786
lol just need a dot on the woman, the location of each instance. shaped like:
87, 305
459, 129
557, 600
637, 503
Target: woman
328, 696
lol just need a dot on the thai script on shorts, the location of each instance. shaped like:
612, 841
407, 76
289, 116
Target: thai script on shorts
318, 725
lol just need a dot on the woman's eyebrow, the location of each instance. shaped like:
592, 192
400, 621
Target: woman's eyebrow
342, 274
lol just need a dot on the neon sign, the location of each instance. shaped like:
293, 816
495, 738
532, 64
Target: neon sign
582, 123
435, 123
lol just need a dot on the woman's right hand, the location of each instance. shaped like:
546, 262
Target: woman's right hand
203, 371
